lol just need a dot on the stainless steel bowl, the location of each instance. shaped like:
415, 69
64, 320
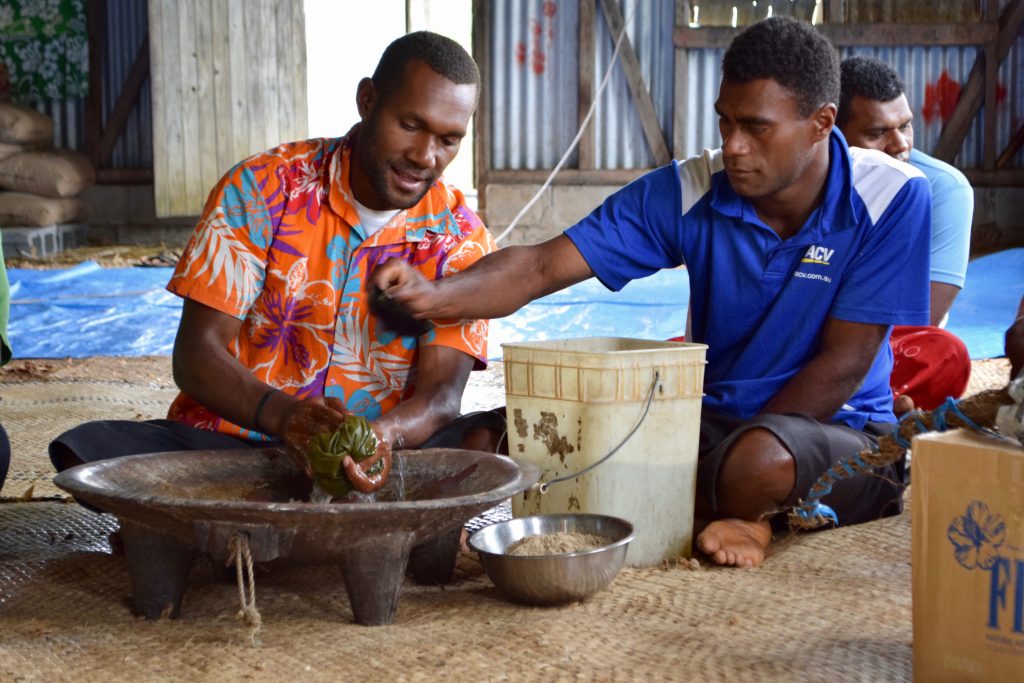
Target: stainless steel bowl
552, 579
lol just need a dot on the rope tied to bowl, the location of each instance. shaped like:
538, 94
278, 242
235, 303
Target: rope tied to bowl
544, 486
239, 555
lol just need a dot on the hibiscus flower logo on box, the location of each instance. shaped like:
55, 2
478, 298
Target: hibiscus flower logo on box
976, 536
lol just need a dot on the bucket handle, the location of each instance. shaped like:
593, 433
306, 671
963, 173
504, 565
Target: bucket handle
544, 486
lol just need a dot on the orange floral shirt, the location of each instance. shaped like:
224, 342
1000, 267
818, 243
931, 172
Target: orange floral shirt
279, 246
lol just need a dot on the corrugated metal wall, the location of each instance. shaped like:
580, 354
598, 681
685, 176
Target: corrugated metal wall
619, 140
533, 116
921, 69
125, 29
1010, 115
534, 82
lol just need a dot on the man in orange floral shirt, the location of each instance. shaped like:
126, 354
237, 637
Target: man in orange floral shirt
277, 342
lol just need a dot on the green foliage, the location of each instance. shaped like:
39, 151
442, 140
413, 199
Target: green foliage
354, 437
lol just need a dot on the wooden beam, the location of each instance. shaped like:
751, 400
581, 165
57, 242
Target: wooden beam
1016, 142
988, 157
853, 35
96, 28
955, 130
481, 129
988, 131
588, 26
834, 12
124, 176
1007, 177
137, 77
635, 79
568, 176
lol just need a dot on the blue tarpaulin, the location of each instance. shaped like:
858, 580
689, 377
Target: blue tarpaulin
91, 311
987, 305
87, 310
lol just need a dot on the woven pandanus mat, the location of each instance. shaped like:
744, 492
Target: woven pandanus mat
829, 606
34, 413
990, 373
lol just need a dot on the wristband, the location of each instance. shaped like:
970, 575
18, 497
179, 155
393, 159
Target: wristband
259, 407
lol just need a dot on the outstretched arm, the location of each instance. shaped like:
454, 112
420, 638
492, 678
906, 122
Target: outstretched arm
823, 385
495, 286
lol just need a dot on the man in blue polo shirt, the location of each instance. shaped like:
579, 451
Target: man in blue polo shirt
931, 363
801, 255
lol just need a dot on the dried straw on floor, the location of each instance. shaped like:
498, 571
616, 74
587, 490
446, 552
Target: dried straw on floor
35, 412
827, 606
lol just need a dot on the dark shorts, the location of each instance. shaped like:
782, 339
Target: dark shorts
5, 456
815, 448
105, 439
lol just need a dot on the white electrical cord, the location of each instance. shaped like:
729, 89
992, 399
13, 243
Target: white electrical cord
579, 133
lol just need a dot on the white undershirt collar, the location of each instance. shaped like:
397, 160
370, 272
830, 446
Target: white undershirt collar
372, 221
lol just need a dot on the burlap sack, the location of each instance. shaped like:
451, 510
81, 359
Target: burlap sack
19, 209
49, 173
9, 149
24, 124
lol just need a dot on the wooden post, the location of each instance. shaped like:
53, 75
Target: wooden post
834, 12
680, 92
481, 131
991, 80
588, 27
1016, 142
96, 27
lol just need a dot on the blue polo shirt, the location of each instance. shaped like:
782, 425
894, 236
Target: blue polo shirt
952, 213
760, 302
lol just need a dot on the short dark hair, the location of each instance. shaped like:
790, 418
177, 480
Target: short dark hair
440, 53
793, 54
869, 78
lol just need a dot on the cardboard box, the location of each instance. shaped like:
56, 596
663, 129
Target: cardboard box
968, 558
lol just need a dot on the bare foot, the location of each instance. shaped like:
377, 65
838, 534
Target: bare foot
736, 542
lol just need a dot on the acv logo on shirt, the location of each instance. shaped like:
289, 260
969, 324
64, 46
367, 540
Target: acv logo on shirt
819, 255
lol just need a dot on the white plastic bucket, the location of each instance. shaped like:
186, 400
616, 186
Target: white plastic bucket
570, 402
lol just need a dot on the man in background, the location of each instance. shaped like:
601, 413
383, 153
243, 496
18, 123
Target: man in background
930, 363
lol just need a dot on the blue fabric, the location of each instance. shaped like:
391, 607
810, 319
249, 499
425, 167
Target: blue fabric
88, 311
651, 308
760, 302
988, 303
952, 212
